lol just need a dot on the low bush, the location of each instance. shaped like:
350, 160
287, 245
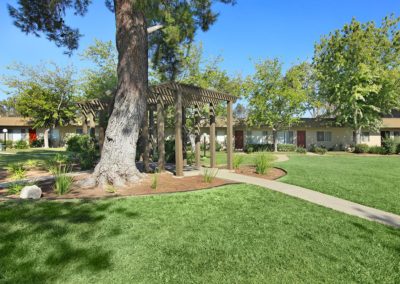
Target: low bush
83, 149
376, 150
37, 143
361, 148
301, 150
249, 148
21, 144
389, 146
237, 161
318, 149
209, 175
262, 164
15, 188
398, 149
218, 146
286, 148
16, 170
9, 143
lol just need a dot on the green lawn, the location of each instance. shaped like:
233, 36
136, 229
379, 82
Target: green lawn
12, 156
234, 234
248, 159
372, 181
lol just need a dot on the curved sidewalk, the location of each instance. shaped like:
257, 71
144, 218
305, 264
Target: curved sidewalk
322, 199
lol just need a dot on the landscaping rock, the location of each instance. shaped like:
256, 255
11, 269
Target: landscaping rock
31, 192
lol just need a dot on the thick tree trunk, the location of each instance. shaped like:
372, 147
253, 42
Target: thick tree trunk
357, 132
46, 138
117, 165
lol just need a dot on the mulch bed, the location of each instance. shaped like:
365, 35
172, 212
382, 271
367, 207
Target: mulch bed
167, 183
272, 173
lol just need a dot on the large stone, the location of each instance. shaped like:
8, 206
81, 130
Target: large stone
31, 192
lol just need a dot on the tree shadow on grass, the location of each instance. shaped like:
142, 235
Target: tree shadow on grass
46, 241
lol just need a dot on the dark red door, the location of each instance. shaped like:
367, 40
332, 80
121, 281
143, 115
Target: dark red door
32, 135
238, 139
301, 139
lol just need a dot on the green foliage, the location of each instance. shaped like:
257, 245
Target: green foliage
249, 148
318, 149
37, 143
361, 148
170, 151
21, 144
83, 149
398, 149
237, 161
209, 175
111, 189
32, 163
286, 147
15, 188
275, 101
63, 181
262, 164
57, 162
389, 146
16, 170
358, 72
218, 146
376, 150
301, 150
44, 93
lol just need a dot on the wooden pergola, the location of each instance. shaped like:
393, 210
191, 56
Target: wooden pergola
181, 96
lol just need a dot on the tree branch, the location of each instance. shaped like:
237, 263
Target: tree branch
154, 28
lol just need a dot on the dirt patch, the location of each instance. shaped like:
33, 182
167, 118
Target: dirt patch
272, 173
32, 173
167, 183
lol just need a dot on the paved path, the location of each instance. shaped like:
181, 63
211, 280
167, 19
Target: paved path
322, 199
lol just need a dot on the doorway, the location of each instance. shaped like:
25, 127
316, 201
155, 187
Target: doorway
238, 139
301, 139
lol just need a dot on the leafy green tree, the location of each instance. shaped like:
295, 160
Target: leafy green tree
138, 24
240, 111
44, 93
275, 100
358, 72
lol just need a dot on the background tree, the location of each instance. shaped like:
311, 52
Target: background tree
240, 111
44, 93
275, 100
8, 108
181, 20
358, 73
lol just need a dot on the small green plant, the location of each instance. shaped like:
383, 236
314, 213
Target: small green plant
15, 188
21, 144
301, 150
262, 164
237, 161
209, 175
154, 181
16, 170
111, 189
63, 181
361, 148
32, 164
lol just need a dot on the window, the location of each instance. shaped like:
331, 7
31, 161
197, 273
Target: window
324, 136
365, 137
396, 136
256, 137
285, 137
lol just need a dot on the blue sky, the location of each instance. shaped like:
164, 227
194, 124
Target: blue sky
252, 29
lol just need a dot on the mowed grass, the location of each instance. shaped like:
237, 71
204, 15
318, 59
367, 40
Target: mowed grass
21, 156
372, 181
233, 234
248, 159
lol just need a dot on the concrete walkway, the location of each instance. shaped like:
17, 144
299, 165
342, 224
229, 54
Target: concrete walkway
322, 199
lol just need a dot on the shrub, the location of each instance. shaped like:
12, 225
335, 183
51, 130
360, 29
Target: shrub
63, 182
376, 150
21, 144
37, 143
398, 148
16, 170
286, 147
237, 161
32, 164
83, 149
15, 188
361, 148
209, 175
262, 164
218, 146
249, 148
389, 146
301, 150
318, 149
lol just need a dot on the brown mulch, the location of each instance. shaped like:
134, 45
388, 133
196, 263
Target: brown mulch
32, 173
272, 173
167, 183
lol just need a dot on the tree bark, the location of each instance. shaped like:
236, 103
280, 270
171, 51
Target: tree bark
117, 165
274, 134
357, 132
46, 138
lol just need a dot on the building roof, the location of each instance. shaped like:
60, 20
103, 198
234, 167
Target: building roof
391, 123
15, 121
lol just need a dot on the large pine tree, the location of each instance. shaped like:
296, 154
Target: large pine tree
135, 19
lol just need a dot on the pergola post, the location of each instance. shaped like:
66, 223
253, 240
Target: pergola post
229, 134
197, 136
145, 135
184, 137
178, 134
151, 131
161, 135
213, 162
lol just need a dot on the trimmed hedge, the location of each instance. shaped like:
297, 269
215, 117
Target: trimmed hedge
389, 146
376, 150
249, 148
361, 148
286, 148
